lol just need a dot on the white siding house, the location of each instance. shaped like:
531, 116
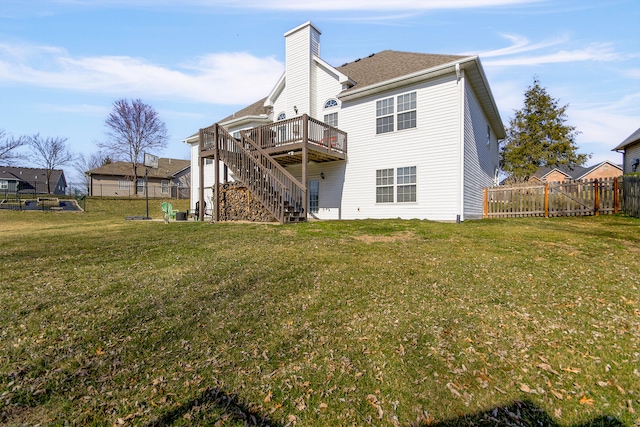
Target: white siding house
630, 149
422, 133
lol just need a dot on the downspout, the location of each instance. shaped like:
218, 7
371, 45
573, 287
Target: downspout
460, 83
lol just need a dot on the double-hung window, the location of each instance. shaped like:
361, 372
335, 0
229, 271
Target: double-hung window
384, 186
164, 184
384, 115
407, 111
406, 184
331, 119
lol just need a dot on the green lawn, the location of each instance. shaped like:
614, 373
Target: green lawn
105, 321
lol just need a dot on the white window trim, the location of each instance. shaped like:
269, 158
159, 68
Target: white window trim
395, 185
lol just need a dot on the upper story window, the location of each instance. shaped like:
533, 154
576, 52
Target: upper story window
405, 117
488, 135
384, 115
331, 119
407, 111
282, 116
331, 103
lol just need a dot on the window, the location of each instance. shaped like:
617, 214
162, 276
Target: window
384, 186
331, 119
488, 135
164, 184
406, 113
123, 184
331, 103
208, 161
4, 184
406, 184
384, 116
140, 185
282, 116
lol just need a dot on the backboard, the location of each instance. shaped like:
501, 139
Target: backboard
150, 161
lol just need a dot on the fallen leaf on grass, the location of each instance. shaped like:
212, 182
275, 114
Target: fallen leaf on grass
373, 401
453, 390
525, 388
586, 400
572, 370
557, 394
268, 397
547, 367
323, 406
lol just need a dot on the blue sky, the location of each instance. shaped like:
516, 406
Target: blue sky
64, 62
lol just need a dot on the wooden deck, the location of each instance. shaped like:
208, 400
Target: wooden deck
258, 157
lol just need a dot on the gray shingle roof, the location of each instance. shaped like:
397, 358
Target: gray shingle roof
631, 139
390, 64
576, 173
31, 175
167, 169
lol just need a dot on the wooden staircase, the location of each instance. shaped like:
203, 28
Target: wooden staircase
279, 191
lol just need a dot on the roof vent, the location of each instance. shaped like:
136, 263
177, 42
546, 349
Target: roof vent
373, 54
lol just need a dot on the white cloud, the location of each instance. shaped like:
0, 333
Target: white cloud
594, 52
520, 44
221, 78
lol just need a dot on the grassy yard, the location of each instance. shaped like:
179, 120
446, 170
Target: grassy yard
370, 323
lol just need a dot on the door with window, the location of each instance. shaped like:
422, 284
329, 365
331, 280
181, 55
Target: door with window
314, 196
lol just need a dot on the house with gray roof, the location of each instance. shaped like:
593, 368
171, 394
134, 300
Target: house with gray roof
171, 179
31, 180
630, 149
602, 170
391, 135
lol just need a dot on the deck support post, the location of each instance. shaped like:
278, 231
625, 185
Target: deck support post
201, 175
305, 161
216, 181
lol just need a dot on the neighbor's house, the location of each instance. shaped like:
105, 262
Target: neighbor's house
31, 180
391, 135
602, 170
630, 148
170, 179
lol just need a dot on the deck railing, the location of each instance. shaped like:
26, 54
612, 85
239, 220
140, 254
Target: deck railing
268, 181
292, 131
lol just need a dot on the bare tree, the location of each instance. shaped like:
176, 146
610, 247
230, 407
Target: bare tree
133, 128
8, 146
83, 164
49, 154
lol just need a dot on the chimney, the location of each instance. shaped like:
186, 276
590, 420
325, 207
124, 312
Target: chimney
302, 44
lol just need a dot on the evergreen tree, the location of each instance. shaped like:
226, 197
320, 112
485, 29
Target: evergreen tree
538, 136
